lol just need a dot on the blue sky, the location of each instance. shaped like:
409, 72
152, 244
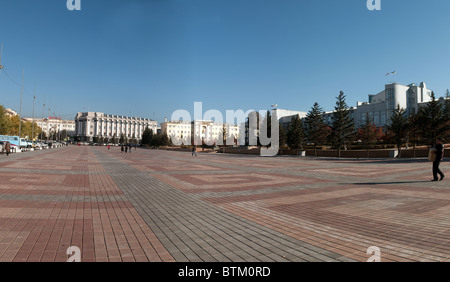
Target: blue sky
149, 58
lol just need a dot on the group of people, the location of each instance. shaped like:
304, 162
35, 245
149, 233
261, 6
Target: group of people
125, 148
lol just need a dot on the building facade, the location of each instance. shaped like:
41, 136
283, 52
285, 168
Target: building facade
380, 107
90, 125
55, 125
200, 132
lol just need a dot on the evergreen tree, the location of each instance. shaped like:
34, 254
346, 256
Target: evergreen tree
369, 133
282, 137
296, 134
398, 125
316, 129
413, 131
432, 120
147, 136
343, 124
447, 105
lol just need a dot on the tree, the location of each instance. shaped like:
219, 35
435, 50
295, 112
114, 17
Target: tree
122, 139
447, 104
296, 134
343, 124
282, 138
398, 126
413, 131
316, 129
432, 120
147, 136
369, 133
5, 122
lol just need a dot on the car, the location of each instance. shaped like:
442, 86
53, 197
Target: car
2, 146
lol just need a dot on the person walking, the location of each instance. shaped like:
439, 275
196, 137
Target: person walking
194, 150
7, 148
439, 157
130, 148
121, 149
126, 149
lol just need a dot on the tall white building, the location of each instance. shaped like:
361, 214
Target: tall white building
89, 125
380, 106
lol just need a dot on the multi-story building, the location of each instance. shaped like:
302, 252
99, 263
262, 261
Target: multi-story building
90, 125
200, 132
54, 125
380, 106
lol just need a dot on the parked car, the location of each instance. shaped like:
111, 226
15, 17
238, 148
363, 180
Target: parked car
2, 146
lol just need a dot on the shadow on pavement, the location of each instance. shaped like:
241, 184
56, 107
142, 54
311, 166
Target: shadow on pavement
384, 183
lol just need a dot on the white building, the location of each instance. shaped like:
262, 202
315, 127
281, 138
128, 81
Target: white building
54, 125
90, 125
285, 116
200, 132
380, 106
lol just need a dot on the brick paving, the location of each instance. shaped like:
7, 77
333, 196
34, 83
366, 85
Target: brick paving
155, 205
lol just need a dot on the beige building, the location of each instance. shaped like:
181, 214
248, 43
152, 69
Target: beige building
53, 125
200, 131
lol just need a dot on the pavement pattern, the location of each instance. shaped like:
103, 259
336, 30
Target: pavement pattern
166, 206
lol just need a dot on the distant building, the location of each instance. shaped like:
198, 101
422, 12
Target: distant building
285, 116
90, 125
54, 125
380, 106
10, 112
200, 131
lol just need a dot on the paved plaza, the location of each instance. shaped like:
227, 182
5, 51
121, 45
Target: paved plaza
167, 206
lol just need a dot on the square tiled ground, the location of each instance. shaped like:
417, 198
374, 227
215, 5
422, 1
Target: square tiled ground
156, 205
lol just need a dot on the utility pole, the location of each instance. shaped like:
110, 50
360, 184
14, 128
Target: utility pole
1, 51
20, 112
42, 129
32, 128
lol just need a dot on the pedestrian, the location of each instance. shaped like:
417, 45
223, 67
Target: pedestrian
194, 150
121, 148
8, 148
126, 149
439, 152
108, 147
130, 148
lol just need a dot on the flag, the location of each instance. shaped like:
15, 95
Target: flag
389, 73
273, 106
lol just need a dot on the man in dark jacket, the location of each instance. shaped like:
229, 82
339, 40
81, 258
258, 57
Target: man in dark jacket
439, 157
8, 148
